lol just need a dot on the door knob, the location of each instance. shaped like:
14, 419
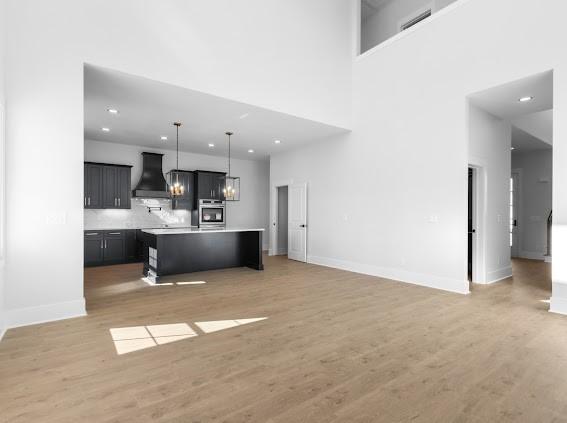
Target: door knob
302, 226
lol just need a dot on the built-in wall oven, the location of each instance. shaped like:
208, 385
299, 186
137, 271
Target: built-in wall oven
212, 213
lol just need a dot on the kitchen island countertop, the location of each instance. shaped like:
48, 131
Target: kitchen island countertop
174, 231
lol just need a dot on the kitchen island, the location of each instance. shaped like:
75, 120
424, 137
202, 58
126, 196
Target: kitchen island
185, 250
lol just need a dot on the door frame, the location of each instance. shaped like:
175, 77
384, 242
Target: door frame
518, 211
273, 247
480, 199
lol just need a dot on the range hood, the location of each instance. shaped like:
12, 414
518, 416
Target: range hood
152, 183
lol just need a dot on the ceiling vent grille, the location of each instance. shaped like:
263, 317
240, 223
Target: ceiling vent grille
416, 20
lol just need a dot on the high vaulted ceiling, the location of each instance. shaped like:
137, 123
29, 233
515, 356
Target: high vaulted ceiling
147, 110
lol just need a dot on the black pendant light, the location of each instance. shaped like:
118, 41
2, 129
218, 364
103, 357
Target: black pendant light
176, 188
231, 188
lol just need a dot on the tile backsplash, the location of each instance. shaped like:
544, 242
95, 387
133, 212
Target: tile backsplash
138, 216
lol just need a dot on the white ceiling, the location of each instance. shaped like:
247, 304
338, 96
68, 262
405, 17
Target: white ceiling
503, 101
147, 110
369, 7
539, 124
524, 142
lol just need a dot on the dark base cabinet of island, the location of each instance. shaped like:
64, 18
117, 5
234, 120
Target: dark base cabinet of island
103, 248
170, 253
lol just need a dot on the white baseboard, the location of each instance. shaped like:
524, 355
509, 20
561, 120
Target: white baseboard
498, 275
430, 281
558, 305
547, 259
532, 255
45, 313
281, 252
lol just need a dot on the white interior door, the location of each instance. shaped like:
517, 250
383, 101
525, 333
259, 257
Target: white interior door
297, 222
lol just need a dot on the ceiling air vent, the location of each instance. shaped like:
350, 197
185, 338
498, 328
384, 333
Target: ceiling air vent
415, 20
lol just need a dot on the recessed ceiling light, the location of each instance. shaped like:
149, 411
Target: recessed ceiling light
277, 141
211, 145
105, 129
244, 116
112, 111
250, 151
163, 138
525, 99
512, 148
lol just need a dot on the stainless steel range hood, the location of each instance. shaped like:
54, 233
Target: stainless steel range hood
152, 183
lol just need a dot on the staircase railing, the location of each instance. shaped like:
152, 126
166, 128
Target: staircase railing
549, 226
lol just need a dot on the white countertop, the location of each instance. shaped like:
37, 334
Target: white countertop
125, 228
176, 231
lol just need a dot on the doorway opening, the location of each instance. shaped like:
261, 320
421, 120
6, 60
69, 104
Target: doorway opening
511, 135
282, 221
471, 229
289, 221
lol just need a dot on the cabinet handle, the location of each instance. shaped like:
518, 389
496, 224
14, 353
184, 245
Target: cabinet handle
89, 201
114, 233
105, 243
101, 244
92, 234
119, 202
85, 201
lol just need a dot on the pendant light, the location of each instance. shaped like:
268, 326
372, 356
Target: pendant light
176, 188
231, 188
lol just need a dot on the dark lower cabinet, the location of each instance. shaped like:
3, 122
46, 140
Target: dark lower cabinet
111, 247
94, 248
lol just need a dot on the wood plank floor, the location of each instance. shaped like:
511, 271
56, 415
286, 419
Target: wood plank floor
336, 347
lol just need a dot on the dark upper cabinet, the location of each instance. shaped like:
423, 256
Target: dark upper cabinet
186, 201
123, 187
93, 186
94, 248
210, 185
107, 186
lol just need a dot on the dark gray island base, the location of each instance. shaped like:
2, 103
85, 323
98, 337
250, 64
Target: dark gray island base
176, 251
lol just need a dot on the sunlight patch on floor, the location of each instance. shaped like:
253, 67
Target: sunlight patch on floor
136, 338
216, 325
151, 283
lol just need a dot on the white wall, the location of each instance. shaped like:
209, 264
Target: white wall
283, 193
385, 23
536, 170
2, 165
391, 198
292, 56
490, 141
250, 211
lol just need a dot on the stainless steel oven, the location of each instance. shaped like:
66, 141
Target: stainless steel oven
212, 213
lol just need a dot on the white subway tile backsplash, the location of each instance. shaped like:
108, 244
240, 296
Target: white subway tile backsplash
138, 216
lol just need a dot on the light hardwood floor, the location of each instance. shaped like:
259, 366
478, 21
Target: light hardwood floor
336, 347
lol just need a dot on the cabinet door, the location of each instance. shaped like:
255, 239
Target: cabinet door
219, 181
123, 187
205, 186
114, 251
187, 201
94, 248
93, 186
109, 184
